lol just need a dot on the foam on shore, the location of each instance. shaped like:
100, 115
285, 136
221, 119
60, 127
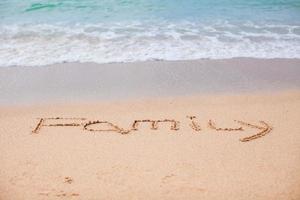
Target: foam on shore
45, 44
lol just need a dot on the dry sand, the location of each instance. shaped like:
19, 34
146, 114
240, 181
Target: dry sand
189, 161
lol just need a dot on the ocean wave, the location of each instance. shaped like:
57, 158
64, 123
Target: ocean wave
44, 44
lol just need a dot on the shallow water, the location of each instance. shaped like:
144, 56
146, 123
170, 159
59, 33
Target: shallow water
40, 32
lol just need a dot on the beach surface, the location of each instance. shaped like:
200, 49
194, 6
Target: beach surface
222, 129
81, 82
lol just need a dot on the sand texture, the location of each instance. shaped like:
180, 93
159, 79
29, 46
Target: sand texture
211, 147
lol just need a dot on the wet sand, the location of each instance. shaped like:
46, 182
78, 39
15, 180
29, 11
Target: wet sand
75, 82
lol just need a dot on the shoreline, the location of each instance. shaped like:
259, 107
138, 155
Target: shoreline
156, 61
77, 82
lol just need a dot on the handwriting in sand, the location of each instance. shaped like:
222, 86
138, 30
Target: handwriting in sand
263, 128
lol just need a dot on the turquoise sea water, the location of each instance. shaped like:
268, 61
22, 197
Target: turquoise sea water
40, 32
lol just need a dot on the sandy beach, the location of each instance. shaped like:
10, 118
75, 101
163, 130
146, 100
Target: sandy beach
224, 129
131, 99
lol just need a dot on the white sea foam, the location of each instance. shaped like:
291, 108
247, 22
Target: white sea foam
43, 44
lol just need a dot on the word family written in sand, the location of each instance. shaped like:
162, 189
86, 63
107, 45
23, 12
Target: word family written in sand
87, 125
